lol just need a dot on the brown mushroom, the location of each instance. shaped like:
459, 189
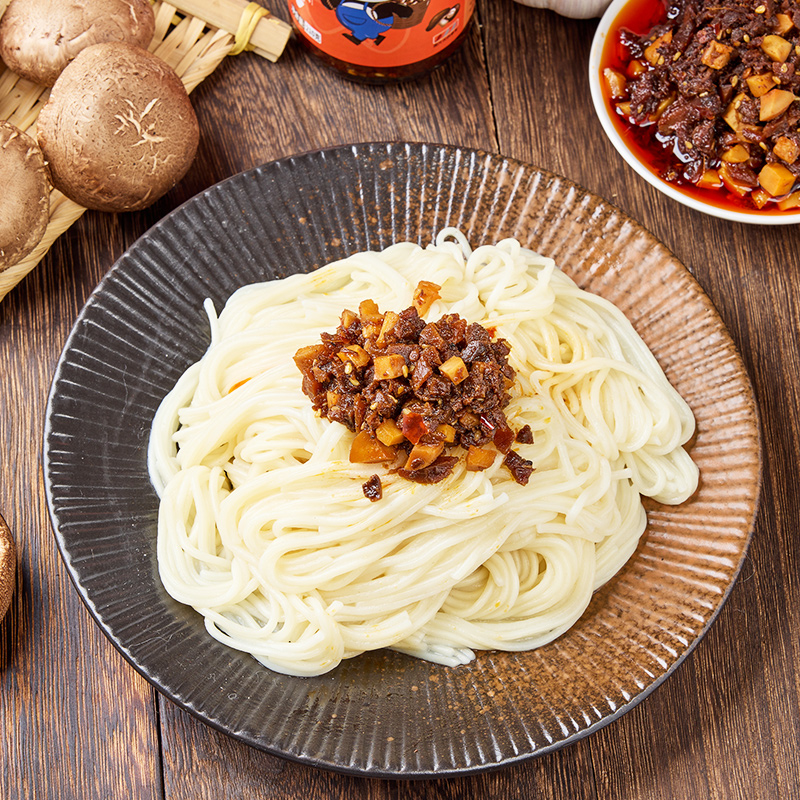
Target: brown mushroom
25, 198
38, 38
8, 567
119, 129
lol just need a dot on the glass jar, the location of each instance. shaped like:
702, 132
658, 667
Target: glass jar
378, 41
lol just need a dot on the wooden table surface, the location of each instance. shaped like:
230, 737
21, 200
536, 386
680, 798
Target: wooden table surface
79, 722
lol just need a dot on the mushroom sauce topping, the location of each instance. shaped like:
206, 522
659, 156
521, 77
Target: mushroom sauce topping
415, 390
718, 85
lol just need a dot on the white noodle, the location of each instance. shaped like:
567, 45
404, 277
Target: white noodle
263, 524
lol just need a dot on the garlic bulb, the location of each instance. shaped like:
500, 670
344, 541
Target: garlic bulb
579, 9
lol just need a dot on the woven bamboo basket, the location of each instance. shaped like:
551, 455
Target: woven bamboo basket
190, 45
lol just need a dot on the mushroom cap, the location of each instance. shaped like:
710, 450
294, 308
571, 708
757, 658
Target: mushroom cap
25, 198
119, 130
38, 38
8, 567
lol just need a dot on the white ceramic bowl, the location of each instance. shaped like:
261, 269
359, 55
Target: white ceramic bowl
606, 28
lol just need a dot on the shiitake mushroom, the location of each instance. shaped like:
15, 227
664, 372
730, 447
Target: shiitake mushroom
118, 130
25, 198
8, 567
38, 38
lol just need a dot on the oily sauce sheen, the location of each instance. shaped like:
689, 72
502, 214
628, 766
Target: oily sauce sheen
656, 153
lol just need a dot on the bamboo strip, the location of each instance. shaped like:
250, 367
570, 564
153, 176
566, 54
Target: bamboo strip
269, 36
192, 46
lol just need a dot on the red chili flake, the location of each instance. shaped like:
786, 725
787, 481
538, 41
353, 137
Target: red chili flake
413, 426
503, 438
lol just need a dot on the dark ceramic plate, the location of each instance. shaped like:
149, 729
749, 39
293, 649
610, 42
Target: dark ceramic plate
385, 713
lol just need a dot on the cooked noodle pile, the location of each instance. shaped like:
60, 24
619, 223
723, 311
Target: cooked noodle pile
265, 530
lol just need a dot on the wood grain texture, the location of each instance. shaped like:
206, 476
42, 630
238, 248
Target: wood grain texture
79, 722
198, 759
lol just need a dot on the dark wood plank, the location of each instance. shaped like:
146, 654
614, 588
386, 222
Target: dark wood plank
216, 760
251, 111
77, 721
727, 724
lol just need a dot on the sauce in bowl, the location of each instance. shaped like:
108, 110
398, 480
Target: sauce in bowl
705, 75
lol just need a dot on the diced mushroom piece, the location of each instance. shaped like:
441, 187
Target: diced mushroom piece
760, 198
388, 367
305, 356
355, 354
785, 23
786, 149
368, 311
366, 449
792, 201
661, 108
524, 435
332, 399
371, 330
448, 432
747, 134
716, 55
651, 51
616, 82
760, 84
774, 103
423, 455
455, 369
737, 154
731, 183
479, 459
635, 68
776, 47
731, 115
434, 473
776, 179
424, 296
709, 180
389, 433
468, 419
503, 437
389, 321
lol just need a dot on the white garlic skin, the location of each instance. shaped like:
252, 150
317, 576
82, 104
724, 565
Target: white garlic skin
578, 9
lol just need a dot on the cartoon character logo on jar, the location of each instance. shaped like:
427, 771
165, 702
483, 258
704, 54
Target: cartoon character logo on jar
382, 39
